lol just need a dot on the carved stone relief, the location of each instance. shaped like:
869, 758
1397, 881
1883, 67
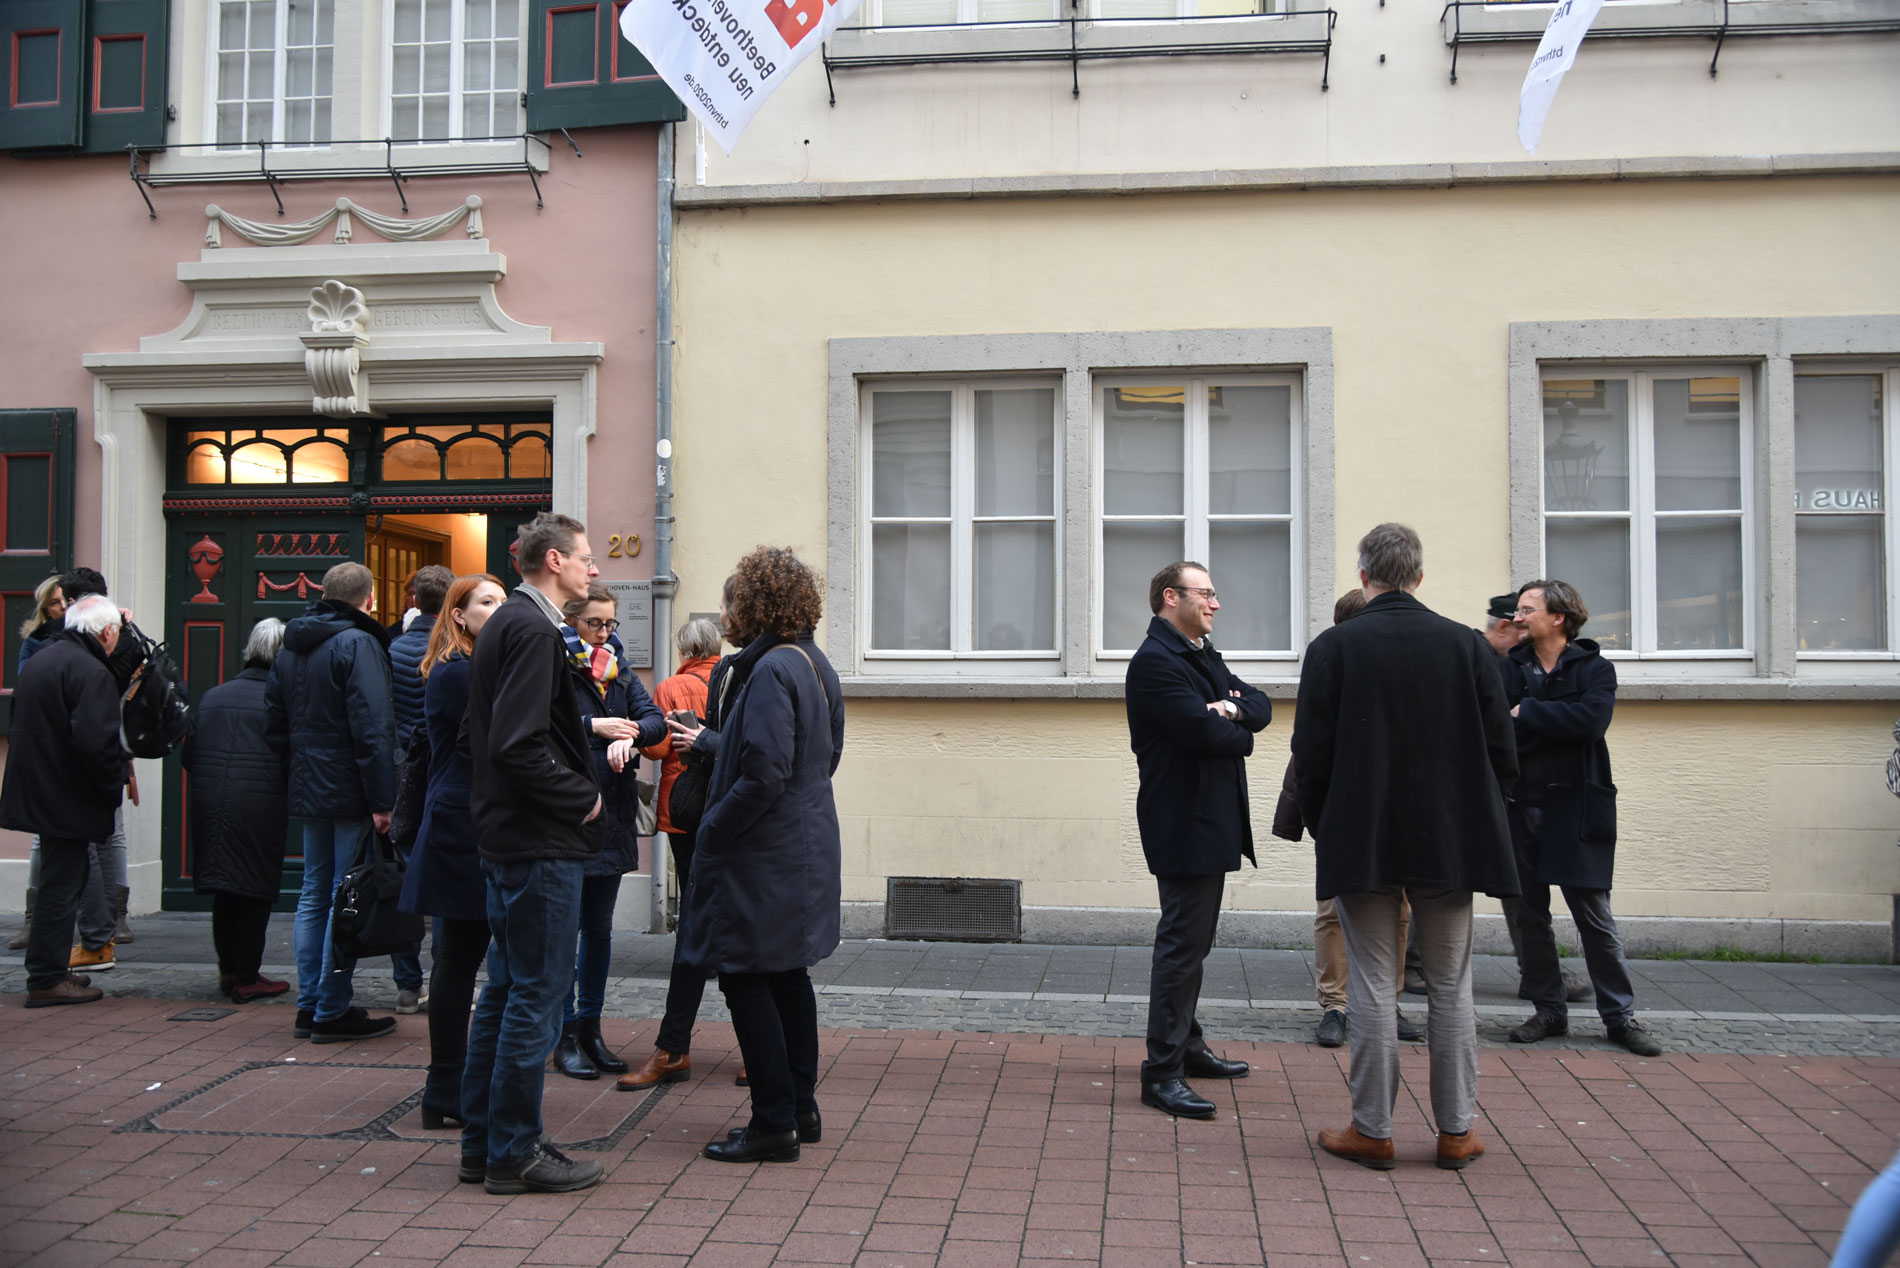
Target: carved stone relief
333, 350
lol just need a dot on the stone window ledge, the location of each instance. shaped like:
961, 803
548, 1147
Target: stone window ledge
1503, 21
867, 687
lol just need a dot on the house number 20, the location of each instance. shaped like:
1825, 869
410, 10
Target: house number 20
619, 547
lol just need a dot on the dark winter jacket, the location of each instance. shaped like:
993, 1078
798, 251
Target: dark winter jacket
529, 765
444, 877
65, 768
237, 797
620, 804
1403, 753
1561, 720
1192, 805
406, 651
328, 701
1287, 823
35, 643
125, 660
766, 878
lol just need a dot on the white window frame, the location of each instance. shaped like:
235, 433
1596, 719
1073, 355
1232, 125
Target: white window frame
966, 14
1195, 497
458, 30
962, 656
1889, 374
1187, 9
1642, 514
279, 60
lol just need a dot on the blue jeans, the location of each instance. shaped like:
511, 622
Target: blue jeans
330, 848
533, 909
1873, 1227
597, 947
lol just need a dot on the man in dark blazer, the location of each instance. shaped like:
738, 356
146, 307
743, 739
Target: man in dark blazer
533, 798
1191, 723
1402, 756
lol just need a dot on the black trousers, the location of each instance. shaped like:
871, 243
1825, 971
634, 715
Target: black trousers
775, 1016
239, 924
1190, 912
685, 987
64, 866
1596, 929
460, 948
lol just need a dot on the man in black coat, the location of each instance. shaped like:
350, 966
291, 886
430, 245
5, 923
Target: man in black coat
1402, 753
534, 797
1191, 723
1563, 813
65, 772
327, 704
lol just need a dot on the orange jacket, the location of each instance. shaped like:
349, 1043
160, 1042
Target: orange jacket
684, 690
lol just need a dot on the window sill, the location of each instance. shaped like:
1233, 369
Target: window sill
346, 158
1468, 22
1860, 688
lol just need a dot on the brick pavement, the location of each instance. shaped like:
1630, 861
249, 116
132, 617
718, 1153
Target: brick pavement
947, 1148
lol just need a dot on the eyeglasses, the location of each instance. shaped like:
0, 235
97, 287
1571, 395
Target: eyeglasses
568, 554
1530, 611
600, 623
1209, 595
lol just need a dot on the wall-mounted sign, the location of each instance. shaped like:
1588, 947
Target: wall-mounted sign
636, 620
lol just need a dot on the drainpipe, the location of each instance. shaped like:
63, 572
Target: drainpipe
665, 583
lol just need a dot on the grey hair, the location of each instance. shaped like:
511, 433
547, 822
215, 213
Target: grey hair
698, 637
94, 614
1392, 556
266, 640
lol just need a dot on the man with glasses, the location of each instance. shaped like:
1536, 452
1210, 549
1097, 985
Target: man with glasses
1191, 723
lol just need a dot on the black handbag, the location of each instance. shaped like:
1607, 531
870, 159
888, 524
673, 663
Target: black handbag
687, 802
412, 790
364, 918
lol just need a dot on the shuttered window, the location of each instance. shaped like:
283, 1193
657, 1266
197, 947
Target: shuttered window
36, 522
582, 73
82, 74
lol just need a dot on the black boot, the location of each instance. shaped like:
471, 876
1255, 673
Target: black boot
595, 1049
568, 1057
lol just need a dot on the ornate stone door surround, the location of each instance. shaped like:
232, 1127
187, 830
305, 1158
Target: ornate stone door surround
304, 332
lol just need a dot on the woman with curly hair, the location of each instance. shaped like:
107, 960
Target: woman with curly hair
763, 902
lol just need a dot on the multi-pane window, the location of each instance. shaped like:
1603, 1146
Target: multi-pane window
1646, 490
962, 504
1199, 468
274, 70
1842, 590
1188, 8
954, 12
455, 69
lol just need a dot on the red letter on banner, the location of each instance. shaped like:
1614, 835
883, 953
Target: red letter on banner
794, 20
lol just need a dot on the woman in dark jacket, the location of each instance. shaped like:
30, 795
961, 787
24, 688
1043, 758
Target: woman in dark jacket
49, 615
619, 716
444, 878
239, 814
763, 906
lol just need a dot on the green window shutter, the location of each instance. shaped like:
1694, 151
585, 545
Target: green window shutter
41, 46
582, 73
36, 521
125, 62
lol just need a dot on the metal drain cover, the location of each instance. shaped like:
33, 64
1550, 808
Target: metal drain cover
201, 1014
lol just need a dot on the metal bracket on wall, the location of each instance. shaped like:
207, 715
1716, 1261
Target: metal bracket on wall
1079, 48
1720, 29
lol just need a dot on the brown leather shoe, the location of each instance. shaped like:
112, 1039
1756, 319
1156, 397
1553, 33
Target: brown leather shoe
661, 1067
1455, 1153
67, 992
1367, 1151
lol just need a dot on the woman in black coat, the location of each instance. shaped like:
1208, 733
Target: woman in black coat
763, 904
619, 717
239, 814
444, 878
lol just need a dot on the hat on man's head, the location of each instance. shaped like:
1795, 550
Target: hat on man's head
1503, 606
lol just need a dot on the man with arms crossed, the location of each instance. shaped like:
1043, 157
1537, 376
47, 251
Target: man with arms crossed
1191, 724
1402, 754
533, 802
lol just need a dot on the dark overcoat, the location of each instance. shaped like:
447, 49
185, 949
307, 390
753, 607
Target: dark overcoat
237, 798
767, 862
1561, 720
444, 876
1403, 754
530, 770
1192, 803
65, 767
328, 702
620, 804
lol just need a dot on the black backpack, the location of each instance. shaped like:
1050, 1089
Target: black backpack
156, 705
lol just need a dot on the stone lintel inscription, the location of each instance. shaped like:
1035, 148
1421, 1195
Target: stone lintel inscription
426, 316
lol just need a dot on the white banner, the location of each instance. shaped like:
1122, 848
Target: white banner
1556, 53
725, 57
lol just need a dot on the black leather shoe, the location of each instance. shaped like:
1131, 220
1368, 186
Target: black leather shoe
473, 1169
300, 1029
568, 1057
751, 1146
1205, 1065
1540, 1026
595, 1049
1174, 1096
544, 1169
352, 1025
1332, 1029
1409, 1031
1636, 1037
434, 1120
811, 1129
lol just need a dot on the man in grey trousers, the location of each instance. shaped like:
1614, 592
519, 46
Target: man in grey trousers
1402, 755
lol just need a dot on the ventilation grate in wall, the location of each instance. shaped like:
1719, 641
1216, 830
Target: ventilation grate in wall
953, 909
